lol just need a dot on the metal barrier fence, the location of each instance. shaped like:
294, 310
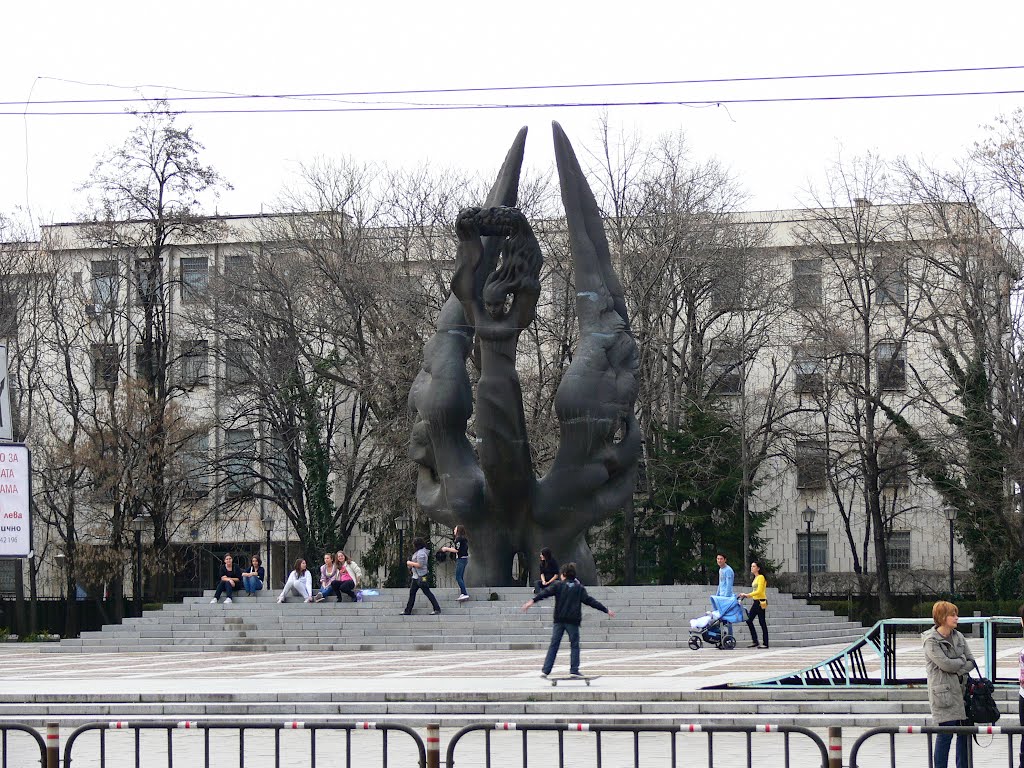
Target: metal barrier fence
670, 730
241, 727
933, 730
5, 731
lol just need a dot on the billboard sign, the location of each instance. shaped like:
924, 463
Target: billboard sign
15, 495
6, 427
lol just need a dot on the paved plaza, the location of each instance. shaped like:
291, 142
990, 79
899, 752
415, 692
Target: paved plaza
25, 670
656, 686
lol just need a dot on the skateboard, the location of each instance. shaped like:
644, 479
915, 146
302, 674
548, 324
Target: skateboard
564, 678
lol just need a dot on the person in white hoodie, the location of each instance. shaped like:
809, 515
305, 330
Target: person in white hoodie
299, 581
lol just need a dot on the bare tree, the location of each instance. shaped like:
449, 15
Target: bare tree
705, 294
145, 197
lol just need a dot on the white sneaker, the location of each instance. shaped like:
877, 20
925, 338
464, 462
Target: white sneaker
213, 601
280, 600
461, 598
227, 600
544, 674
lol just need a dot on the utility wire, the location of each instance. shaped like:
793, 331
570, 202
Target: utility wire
550, 86
546, 105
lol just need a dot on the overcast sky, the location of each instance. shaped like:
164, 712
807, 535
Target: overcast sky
101, 50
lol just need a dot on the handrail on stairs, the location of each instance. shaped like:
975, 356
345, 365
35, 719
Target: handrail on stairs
849, 668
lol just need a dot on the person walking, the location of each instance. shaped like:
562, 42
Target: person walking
461, 552
948, 661
227, 580
758, 593
300, 581
726, 577
420, 576
569, 596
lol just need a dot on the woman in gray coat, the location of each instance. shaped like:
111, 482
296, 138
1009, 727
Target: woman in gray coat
948, 660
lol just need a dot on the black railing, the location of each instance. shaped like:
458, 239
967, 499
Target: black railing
212, 750
660, 751
13, 756
931, 731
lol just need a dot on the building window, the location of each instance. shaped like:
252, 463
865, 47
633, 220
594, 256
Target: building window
238, 270
811, 464
893, 464
819, 552
195, 464
8, 576
194, 365
147, 278
104, 283
890, 279
104, 366
8, 309
277, 468
236, 362
725, 372
239, 455
806, 283
195, 278
727, 283
891, 361
807, 371
897, 550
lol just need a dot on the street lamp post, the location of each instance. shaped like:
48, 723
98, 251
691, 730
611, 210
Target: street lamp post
808, 515
951, 517
268, 526
138, 524
61, 560
400, 523
668, 518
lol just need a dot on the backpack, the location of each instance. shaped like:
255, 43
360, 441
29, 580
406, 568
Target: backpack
356, 570
978, 702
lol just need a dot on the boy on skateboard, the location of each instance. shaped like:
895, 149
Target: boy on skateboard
569, 596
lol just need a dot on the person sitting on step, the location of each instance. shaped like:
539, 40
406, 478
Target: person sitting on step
254, 577
228, 580
329, 574
299, 581
346, 581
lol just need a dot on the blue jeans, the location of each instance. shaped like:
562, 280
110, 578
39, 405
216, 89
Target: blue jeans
942, 742
573, 630
460, 574
252, 583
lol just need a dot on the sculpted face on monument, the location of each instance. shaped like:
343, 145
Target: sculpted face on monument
490, 485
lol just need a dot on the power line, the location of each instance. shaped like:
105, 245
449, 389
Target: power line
227, 95
545, 105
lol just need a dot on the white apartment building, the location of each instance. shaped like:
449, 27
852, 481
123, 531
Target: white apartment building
804, 365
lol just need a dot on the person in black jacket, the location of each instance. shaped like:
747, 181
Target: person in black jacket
227, 580
569, 595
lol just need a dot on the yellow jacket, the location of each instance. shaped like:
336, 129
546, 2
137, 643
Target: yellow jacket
757, 590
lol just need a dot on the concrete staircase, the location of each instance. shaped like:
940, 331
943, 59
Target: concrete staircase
646, 617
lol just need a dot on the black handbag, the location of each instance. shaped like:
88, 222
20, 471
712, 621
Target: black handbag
979, 703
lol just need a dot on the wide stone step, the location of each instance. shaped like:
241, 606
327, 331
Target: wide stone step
647, 617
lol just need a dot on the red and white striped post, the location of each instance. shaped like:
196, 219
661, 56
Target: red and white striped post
433, 745
52, 745
835, 747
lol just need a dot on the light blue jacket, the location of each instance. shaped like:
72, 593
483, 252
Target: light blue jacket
726, 577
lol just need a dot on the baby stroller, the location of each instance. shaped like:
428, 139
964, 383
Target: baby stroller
713, 626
